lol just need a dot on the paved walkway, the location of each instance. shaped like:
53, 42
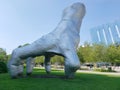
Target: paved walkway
88, 71
94, 72
103, 73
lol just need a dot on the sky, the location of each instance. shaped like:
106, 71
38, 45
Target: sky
24, 21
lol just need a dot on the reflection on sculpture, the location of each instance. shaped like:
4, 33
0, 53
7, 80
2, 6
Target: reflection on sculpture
61, 41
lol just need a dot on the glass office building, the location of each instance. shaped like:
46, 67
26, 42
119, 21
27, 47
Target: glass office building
107, 34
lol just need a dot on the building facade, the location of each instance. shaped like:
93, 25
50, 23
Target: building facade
106, 34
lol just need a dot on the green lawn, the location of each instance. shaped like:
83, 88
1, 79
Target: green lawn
82, 81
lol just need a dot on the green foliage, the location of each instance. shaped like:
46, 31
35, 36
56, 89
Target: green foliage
3, 67
39, 59
113, 54
103, 70
3, 56
79, 53
57, 59
99, 53
85, 53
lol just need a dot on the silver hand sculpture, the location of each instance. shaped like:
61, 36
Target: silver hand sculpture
62, 41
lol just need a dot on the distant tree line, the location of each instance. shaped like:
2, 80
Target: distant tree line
99, 53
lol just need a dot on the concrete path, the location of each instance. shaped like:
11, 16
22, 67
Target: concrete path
88, 71
103, 73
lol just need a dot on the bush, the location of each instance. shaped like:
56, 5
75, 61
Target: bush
3, 67
103, 70
83, 68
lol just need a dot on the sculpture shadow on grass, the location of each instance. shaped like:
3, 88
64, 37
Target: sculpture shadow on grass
48, 76
43, 76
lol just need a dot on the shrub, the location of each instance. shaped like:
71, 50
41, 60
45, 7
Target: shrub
103, 70
3, 67
83, 68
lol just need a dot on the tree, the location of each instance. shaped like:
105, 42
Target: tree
57, 59
3, 60
85, 53
92, 53
39, 60
79, 53
3, 55
113, 54
99, 52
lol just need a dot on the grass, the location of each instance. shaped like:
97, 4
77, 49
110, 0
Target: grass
82, 81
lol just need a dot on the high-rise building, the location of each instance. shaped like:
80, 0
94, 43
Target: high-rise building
107, 33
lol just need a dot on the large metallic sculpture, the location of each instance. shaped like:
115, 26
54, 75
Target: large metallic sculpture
61, 41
